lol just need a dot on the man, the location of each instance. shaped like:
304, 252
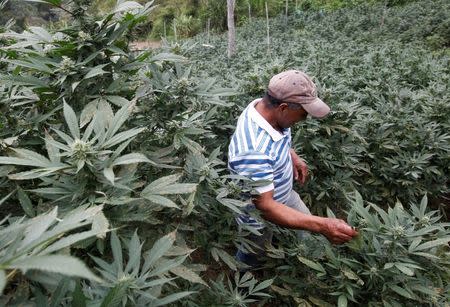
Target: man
261, 149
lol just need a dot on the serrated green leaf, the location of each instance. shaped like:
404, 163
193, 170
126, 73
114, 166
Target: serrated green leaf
330, 213
188, 274
119, 118
313, 265
130, 159
88, 113
226, 258
100, 225
117, 100
109, 174
161, 182
32, 65
41, 224
68, 241
404, 269
122, 136
52, 150
172, 298
178, 188
400, 291
342, 301
29, 154
281, 291
115, 295
349, 274
116, 248
263, 285
71, 120
36, 173
232, 204
65, 265
434, 243
134, 250
25, 202
158, 250
161, 200
166, 265
96, 71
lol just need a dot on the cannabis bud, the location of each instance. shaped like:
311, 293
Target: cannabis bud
67, 64
84, 36
80, 149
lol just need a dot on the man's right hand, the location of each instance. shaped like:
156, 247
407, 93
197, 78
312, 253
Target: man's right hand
337, 231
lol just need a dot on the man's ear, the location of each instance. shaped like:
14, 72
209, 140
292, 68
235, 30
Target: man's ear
283, 106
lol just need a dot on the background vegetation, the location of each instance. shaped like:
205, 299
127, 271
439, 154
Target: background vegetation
113, 182
180, 17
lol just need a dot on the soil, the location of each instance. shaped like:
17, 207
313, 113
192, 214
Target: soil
144, 45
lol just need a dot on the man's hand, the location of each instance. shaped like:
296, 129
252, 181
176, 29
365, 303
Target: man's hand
300, 168
337, 231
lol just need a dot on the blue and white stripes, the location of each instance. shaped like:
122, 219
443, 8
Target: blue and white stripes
260, 152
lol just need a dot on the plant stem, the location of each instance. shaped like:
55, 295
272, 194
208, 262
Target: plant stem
11, 274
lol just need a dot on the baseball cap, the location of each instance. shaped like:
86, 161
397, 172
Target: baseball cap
295, 86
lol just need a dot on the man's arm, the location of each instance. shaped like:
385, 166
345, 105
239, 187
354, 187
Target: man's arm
335, 230
300, 168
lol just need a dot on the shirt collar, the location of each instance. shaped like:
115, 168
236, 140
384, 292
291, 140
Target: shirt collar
263, 123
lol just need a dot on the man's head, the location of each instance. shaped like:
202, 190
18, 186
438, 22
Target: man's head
295, 90
284, 114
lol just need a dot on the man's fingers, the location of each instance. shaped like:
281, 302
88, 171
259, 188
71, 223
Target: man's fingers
345, 238
304, 171
339, 231
295, 173
347, 229
302, 176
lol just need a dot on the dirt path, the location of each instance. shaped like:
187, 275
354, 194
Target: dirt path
144, 45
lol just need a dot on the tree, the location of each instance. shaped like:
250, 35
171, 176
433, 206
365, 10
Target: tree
231, 28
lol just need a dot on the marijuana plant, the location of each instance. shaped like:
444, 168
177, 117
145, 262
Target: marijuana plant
33, 244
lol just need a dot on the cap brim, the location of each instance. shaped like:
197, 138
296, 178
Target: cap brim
317, 108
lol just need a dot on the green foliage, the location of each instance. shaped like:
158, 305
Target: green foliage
30, 244
192, 17
81, 164
400, 258
86, 123
387, 135
136, 281
241, 291
83, 111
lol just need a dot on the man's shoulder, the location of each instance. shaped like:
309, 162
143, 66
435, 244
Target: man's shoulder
251, 156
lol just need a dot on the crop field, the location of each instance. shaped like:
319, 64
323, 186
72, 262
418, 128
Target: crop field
114, 187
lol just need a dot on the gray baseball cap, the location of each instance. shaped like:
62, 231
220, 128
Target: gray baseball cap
295, 86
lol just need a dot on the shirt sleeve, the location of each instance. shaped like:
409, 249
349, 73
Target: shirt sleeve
255, 166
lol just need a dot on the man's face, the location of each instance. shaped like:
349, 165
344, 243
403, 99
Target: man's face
288, 116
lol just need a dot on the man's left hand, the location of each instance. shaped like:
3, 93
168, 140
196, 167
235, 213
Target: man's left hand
300, 168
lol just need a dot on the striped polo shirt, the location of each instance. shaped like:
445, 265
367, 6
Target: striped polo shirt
260, 152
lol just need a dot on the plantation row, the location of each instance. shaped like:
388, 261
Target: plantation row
113, 178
